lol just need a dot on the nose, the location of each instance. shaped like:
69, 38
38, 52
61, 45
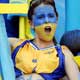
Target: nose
46, 19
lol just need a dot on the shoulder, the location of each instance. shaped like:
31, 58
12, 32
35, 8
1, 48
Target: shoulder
14, 42
66, 51
68, 55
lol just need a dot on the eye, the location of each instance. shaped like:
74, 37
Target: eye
51, 15
40, 16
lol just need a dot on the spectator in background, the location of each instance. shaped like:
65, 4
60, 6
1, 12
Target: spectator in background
72, 40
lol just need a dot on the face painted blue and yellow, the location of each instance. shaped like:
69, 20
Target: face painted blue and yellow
44, 21
44, 14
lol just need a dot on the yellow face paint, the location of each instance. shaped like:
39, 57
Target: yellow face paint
46, 31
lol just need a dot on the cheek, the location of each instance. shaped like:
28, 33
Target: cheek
39, 31
37, 21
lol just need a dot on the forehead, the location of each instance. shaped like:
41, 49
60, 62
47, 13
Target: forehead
44, 9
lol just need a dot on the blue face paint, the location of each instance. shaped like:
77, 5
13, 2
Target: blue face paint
44, 14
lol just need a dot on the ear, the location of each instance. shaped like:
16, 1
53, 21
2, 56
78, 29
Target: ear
32, 25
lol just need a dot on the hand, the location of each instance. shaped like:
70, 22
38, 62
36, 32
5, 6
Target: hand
33, 76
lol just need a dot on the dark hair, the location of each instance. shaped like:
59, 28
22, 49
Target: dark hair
72, 40
35, 3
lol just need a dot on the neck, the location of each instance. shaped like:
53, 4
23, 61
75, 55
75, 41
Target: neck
43, 44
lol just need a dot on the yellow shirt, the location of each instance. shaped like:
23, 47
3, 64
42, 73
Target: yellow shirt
43, 61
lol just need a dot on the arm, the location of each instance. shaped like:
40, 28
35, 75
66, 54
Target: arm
70, 66
13, 42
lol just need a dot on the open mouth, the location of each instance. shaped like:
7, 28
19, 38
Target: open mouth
48, 29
